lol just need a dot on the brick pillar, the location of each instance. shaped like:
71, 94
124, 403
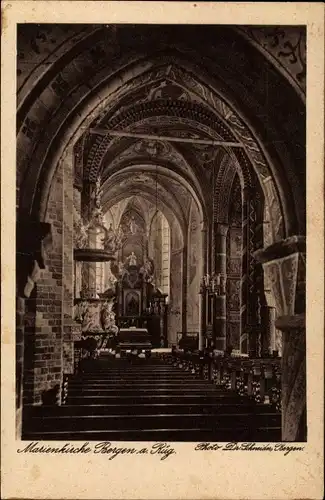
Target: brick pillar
44, 317
68, 264
32, 240
284, 265
220, 327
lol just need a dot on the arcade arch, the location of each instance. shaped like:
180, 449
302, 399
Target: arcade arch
189, 115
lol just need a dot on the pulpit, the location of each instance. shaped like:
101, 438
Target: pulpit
95, 245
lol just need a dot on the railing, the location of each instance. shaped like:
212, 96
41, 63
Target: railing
257, 379
135, 321
64, 389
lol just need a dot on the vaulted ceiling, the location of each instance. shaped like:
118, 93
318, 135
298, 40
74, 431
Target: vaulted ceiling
157, 111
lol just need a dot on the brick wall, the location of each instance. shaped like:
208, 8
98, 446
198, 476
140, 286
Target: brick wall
43, 318
68, 201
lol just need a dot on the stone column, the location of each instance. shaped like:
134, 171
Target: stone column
268, 335
294, 425
252, 239
176, 296
202, 300
244, 310
201, 313
284, 265
184, 291
220, 267
77, 189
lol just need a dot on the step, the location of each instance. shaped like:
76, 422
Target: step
144, 409
107, 375
138, 380
127, 365
140, 385
138, 373
135, 387
162, 398
129, 368
168, 421
163, 435
104, 380
154, 391
136, 368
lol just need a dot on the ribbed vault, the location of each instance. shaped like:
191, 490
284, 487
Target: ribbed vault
155, 185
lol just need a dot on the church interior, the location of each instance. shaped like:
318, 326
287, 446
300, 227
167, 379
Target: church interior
161, 233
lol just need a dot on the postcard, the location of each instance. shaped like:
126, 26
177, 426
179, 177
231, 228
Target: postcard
162, 260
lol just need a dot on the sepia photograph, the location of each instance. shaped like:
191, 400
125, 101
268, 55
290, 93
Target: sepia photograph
161, 232
162, 224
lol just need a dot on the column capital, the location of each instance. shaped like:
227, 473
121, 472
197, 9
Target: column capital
284, 265
33, 239
221, 229
281, 249
291, 323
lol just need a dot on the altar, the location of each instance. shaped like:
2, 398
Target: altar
134, 338
141, 309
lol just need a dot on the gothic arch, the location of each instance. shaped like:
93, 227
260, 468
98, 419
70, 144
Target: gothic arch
177, 189
74, 138
222, 188
100, 78
162, 206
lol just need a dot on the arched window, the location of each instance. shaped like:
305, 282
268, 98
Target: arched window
159, 250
